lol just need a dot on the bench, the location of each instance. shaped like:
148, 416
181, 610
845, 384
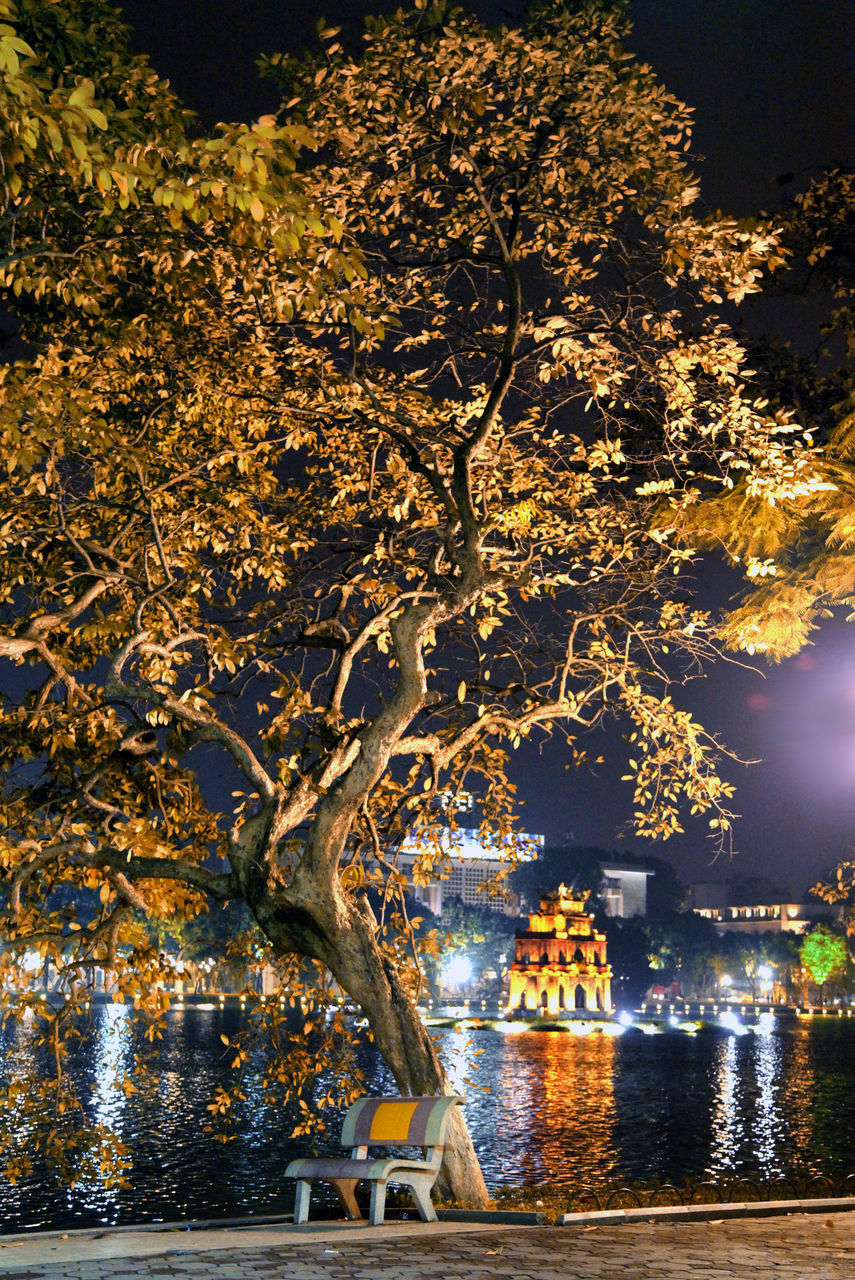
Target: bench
371, 1122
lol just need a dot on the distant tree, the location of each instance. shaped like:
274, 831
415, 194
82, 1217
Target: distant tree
480, 934
823, 954
665, 892
682, 947
753, 952
577, 866
628, 953
329, 476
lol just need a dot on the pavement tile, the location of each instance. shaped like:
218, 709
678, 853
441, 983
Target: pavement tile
796, 1248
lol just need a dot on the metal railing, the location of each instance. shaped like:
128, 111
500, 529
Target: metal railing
793, 1185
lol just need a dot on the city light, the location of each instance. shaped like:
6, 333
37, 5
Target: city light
457, 971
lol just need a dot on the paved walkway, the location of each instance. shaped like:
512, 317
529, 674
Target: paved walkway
801, 1247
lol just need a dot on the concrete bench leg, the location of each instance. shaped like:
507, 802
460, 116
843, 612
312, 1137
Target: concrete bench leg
301, 1201
378, 1202
420, 1188
346, 1190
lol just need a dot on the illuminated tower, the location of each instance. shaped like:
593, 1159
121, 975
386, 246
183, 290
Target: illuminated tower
560, 961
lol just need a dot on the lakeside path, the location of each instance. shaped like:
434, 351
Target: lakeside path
815, 1246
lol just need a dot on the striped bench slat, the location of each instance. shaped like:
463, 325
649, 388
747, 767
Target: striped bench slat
416, 1122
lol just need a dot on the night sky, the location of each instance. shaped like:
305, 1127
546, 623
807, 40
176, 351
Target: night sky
772, 83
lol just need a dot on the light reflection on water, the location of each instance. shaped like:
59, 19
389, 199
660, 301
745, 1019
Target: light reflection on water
542, 1107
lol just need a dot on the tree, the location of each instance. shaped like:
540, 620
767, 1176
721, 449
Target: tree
683, 947
575, 865
822, 954
330, 479
477, 933
797, 553
628, 951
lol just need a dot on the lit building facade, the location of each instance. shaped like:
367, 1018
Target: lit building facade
468, 867
624, 888
773, 917
560, 960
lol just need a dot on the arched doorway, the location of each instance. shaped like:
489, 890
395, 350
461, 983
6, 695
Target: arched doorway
544, 1000
580, 1000
561, 1004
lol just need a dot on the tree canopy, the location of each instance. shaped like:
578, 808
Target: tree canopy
823, 954
330, 477
797, 550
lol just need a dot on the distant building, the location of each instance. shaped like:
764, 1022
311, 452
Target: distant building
709, 894
560, 960
467, 866
775, 917
624, 889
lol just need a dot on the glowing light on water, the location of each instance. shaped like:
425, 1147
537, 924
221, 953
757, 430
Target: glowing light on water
731, 1022
625, 1019
727, 1119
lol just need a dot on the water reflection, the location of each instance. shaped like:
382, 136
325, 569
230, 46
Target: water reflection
561, 1087
727, 1118
542, 1106
796, 1096
768, 1129
113, 1061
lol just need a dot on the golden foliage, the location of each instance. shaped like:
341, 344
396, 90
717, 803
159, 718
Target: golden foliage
333, 471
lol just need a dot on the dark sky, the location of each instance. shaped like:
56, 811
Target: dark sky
773, 84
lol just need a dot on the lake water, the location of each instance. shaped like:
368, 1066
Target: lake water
542, 1107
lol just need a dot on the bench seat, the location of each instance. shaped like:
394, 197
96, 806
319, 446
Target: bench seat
371, 1122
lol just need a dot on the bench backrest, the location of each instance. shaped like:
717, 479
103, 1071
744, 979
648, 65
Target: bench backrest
417, 1122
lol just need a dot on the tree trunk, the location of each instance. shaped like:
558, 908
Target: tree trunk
345, 940
407, 1049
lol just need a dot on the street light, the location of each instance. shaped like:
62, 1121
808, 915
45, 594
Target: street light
457, 971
